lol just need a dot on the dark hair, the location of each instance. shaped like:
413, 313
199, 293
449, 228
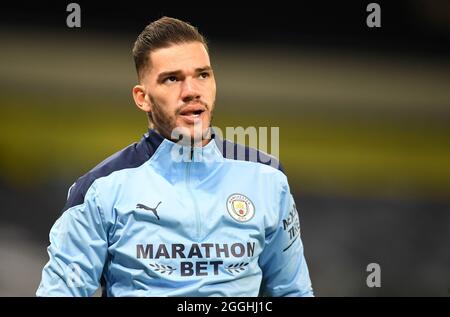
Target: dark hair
162, 33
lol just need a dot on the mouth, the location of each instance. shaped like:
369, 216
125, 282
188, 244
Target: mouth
192, 112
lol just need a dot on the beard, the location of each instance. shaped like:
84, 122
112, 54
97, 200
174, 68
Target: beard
166, 124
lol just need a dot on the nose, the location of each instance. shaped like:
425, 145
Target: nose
189, 90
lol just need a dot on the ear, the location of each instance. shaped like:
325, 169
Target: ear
140, 100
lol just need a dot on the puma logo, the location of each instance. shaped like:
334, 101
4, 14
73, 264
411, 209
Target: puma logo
141, 206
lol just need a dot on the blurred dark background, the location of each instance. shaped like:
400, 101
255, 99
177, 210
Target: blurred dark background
363, 116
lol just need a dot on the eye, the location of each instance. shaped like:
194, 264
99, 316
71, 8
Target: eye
204, 75
170, 80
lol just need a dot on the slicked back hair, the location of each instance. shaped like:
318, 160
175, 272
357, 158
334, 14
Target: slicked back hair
162, 33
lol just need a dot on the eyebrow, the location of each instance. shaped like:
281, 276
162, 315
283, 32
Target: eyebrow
203, 69
164, 75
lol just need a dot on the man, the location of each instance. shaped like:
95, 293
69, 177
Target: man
182, 212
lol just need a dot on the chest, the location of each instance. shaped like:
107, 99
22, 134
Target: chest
189, 230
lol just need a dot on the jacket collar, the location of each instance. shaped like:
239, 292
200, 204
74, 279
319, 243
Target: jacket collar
170, 156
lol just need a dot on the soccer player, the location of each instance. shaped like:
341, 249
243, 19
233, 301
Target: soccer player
182, 212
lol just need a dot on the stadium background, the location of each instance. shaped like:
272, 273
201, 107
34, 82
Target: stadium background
363, 116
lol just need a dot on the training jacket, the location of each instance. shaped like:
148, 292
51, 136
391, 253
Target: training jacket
162, 219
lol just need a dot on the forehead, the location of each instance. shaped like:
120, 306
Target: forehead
183, 56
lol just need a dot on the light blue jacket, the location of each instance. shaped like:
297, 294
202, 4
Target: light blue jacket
160, 219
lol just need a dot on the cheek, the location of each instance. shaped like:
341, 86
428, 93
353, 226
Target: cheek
163, 105
210, 93
213, 91
161, 113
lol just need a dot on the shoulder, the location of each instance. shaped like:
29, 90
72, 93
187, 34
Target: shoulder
238, 152
132, 156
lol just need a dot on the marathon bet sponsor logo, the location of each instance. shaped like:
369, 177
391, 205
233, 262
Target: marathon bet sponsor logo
197, 259
240, 207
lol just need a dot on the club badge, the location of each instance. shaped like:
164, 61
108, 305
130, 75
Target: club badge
240, 207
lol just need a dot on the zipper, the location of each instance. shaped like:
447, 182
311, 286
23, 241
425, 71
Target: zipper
191, 193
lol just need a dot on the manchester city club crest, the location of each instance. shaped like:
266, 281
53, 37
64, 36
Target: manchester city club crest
240, 207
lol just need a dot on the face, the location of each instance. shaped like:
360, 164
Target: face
178, 90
